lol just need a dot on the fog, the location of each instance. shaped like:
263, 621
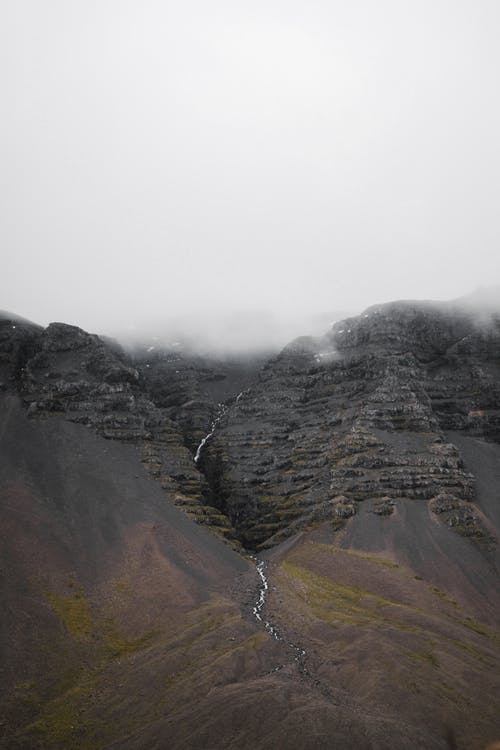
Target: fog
277, 162
226, 332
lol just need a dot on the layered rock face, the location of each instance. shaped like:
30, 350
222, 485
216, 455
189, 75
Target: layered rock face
361, 416
161, 401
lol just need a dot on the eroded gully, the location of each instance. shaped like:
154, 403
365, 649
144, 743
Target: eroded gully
221, 411
272, 629
260, 566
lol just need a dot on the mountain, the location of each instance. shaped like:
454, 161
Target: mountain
239, 552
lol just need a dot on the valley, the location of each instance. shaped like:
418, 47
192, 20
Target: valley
289, 550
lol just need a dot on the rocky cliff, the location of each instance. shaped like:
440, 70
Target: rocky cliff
160, 401
362, 415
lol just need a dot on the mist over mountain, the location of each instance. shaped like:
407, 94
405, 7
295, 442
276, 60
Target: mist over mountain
249, 404
251, 551
278, 156
227, 332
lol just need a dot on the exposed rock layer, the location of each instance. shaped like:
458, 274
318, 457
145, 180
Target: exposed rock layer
361, 415
125, 625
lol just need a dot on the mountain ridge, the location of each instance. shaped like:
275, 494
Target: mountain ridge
362, 466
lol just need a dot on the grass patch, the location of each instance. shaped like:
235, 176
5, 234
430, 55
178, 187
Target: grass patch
426, 656
481, 629
117, 645
122, 585
73, 611
334, 603
63, 722
68, 714
361, 555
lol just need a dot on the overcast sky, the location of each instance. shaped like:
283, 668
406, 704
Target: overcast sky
163, 157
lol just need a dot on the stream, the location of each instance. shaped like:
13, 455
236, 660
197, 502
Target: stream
259, 564
272, 629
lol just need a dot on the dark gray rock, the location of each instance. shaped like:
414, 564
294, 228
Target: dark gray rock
360, 414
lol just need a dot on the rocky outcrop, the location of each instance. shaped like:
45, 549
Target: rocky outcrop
75, 373
17, 343
157, 405
361, 413
190, 387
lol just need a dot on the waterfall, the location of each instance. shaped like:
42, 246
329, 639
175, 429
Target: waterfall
221, 411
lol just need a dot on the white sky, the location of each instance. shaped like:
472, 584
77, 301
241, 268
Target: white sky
166, 157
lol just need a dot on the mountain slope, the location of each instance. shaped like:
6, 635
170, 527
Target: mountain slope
363, 465
97, 568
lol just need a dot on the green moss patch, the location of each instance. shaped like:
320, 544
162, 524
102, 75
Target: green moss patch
73, 610
117, 645
334, 602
